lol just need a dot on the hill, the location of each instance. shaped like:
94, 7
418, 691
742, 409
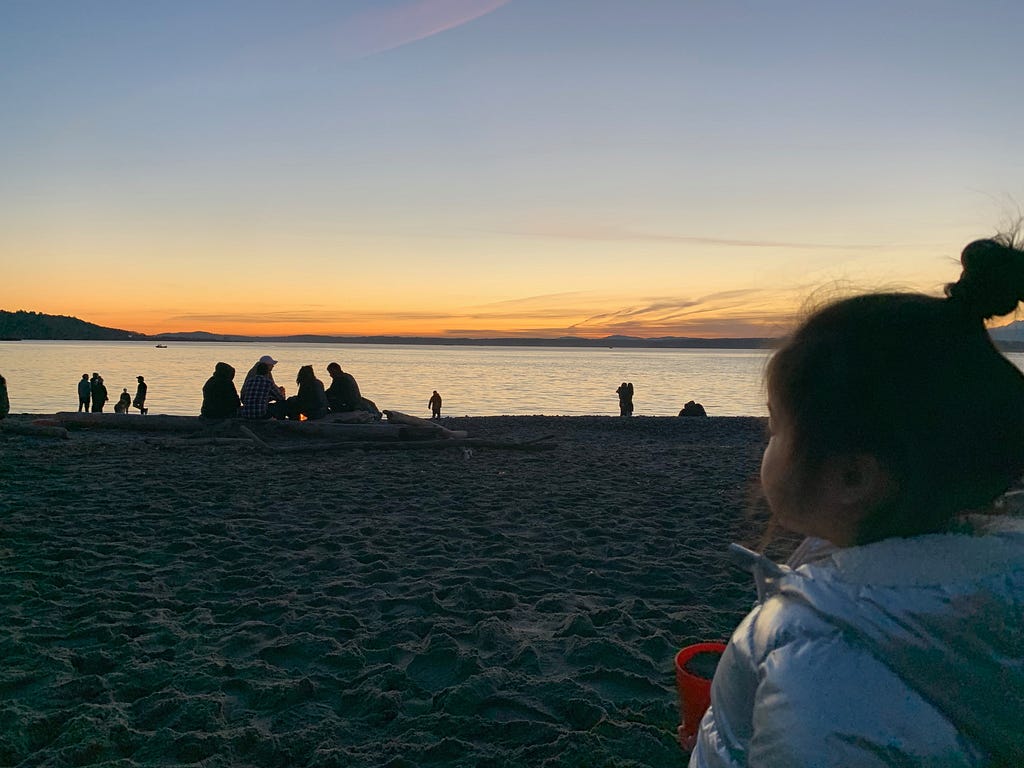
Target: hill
35, 325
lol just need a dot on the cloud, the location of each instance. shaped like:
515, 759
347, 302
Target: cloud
748, 312
602, 231
313, 317
383, 29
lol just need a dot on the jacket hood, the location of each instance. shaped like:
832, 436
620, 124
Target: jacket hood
225, 370
944, 612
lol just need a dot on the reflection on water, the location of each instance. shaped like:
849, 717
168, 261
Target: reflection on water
476, 381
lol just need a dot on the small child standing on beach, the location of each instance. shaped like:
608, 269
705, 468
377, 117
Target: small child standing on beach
895, 426
435, 405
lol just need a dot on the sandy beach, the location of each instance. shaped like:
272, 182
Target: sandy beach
219, 606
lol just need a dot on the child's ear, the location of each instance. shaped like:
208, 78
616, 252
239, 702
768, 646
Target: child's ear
857, 482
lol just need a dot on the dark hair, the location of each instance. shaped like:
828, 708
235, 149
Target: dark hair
305, 375
915, 381
333, 367
262, 369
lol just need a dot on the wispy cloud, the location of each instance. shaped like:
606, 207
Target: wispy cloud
749, 312
383, 29
602, 231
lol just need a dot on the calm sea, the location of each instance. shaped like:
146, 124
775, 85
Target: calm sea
474, 381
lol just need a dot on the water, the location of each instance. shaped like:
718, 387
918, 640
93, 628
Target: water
477, 381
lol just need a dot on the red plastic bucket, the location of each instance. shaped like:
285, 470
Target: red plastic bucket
694, 689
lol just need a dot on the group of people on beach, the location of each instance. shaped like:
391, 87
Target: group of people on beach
93, 396
262, 398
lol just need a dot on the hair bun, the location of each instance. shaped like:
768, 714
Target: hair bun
992, 281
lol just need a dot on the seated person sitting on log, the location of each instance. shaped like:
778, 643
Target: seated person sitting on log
269, 362
261, 397
220, 398
343, 395
311, 401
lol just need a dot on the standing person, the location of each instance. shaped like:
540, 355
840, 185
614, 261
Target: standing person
625, 393
140, 396
311, 400
84, 393
98, 393
5, 402
895, 426
435, 405
270, 362
220, 398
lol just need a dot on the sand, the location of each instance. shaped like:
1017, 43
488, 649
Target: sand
221, 607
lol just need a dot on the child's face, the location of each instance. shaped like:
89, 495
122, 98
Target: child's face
793, 500
830, 502
776, 470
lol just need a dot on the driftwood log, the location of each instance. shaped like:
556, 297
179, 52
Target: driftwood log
33, 430
397, 417
259, 442
347, 417
320, 428
133, 421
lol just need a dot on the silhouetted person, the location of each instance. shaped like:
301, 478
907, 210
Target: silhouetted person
84, 393
311, 400
98, 392
435, 405
343, 394
625, 393
270, 362
693, 409
140, 396
220, 398
261, 399
5, 403
124, 402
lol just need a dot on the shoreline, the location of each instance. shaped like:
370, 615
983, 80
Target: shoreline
460, 607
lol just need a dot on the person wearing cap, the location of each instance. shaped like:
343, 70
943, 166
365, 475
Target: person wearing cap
140, 396
259, 396
270, 362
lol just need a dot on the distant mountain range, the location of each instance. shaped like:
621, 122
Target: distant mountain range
37, 326
1009, 334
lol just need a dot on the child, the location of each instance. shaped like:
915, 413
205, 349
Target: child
124, 402
894, 422
435, 405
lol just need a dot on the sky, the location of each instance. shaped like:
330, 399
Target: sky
497, 167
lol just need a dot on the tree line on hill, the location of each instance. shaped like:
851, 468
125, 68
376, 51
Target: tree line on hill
35, 325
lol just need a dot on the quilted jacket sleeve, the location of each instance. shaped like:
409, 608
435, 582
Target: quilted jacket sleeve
794, 690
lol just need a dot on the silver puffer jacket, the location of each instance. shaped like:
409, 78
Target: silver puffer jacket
901, 652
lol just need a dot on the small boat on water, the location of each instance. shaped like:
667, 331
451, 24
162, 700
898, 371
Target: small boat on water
161, 346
